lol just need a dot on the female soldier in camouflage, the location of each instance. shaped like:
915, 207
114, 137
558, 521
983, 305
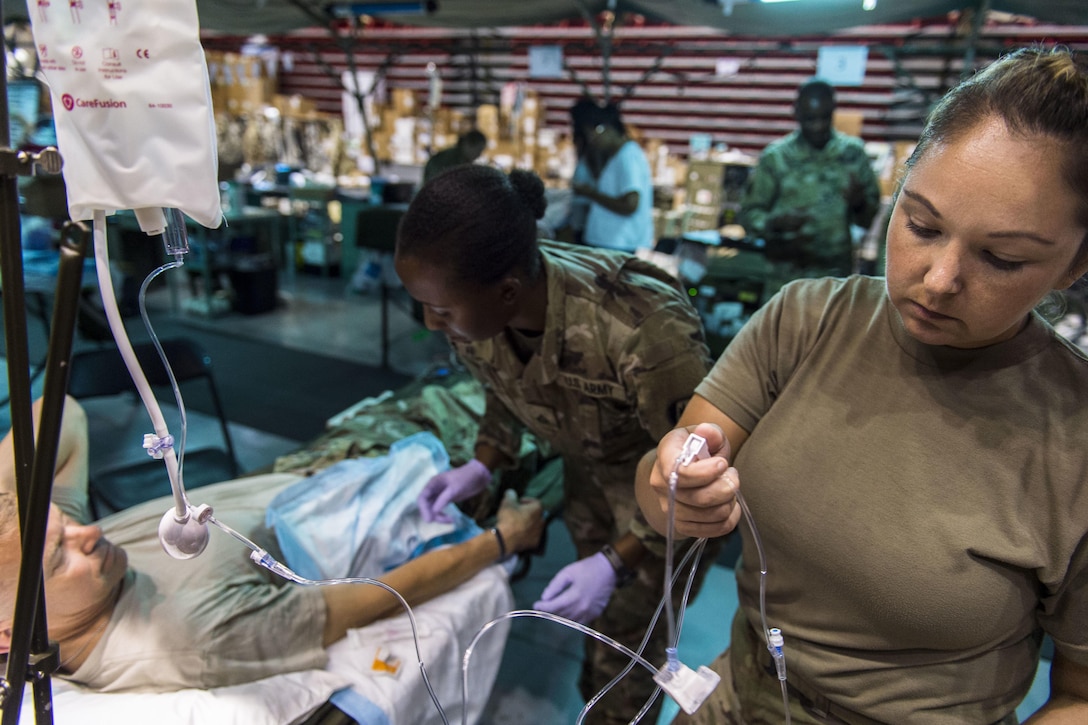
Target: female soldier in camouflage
595, 352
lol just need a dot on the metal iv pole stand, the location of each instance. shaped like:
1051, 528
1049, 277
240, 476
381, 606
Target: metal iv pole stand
32, 656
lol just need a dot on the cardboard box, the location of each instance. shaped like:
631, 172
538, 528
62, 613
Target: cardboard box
459, 123
249, 97
902, 152
389, 118
380, 140
240, 83
219, 100
441, 123
404, 101
848, 122
887, 160
487, 121
294, 105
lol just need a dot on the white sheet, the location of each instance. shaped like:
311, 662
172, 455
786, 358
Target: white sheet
446, 625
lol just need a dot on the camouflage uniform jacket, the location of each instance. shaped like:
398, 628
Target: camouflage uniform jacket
792, 176
621, 352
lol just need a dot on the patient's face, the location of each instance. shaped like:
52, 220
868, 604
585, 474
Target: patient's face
463, 312
82, 571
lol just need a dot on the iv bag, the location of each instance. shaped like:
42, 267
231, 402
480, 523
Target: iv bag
131, 104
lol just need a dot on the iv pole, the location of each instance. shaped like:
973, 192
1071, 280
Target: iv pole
32, 656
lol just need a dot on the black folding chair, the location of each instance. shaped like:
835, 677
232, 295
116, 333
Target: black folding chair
376, 231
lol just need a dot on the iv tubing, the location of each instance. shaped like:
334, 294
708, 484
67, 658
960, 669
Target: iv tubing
264, 559
694, 447
696, 551
670, 647
169, 371
113, 315
763, 598
635, 656
774, 649
762, 563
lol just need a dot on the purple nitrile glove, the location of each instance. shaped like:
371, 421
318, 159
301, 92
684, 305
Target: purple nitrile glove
580, 591
450, 486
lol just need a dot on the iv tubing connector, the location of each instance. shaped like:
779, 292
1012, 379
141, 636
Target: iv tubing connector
774, 644
156, 447
672, 662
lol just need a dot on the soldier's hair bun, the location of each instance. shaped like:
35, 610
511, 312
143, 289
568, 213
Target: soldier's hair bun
531, 190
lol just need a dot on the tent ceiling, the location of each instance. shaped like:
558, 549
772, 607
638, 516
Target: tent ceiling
747, 18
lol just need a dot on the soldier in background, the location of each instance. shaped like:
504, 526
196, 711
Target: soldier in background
573, 224
621, 192
596, 353
468, 148
807, 190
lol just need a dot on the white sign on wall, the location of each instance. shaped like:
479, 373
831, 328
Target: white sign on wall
545, 61
842, 65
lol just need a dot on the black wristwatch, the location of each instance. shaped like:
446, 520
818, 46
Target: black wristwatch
624, 575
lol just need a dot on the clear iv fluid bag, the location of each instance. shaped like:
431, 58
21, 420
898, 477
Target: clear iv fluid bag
132, 104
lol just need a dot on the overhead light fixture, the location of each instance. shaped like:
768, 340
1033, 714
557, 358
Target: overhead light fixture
868, 4
389, 7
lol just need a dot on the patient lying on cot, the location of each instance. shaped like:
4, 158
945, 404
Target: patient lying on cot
128, 617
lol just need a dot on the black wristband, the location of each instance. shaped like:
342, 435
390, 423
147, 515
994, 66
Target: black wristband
502, 542
624, 575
